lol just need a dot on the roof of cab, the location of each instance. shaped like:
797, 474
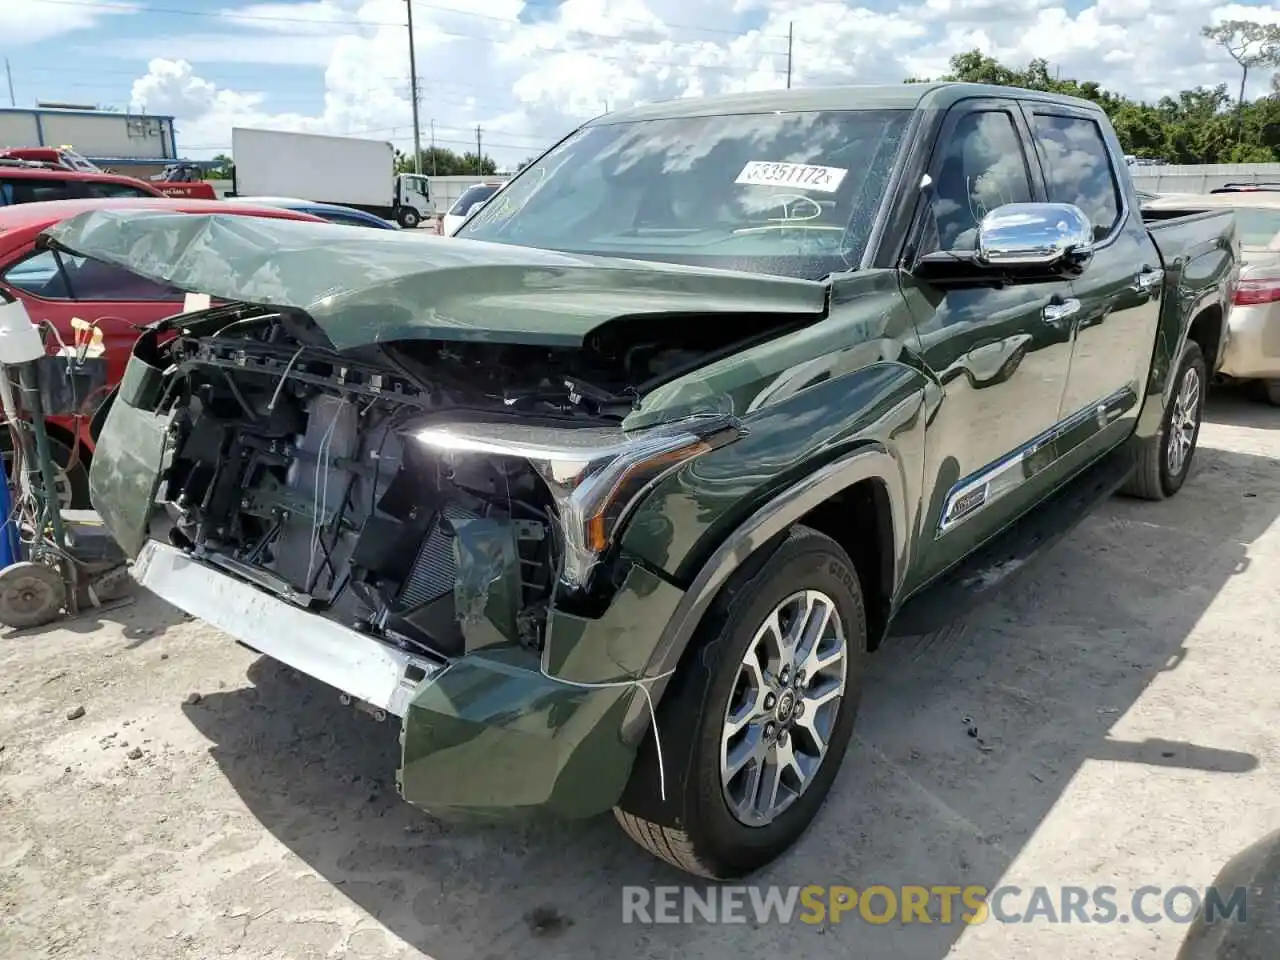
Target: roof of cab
60, 173
896, 96
44, 214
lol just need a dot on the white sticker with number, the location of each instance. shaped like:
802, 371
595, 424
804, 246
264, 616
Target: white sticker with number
807, 176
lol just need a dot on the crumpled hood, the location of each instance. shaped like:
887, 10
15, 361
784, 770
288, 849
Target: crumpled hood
367, 286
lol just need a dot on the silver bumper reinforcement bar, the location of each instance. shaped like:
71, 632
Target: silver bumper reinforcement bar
354, 663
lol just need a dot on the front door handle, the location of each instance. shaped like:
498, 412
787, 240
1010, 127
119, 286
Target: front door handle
1147, 280
1061, 310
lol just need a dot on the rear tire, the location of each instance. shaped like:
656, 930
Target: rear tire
1271, 389
723, 823
1159, 470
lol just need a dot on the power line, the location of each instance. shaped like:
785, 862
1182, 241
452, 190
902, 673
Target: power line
214, 75
351, 133
232, 17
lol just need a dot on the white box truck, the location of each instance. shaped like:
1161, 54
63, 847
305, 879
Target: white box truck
309, 166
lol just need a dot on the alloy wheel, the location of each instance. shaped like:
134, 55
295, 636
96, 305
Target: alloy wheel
1183, 422
783, 707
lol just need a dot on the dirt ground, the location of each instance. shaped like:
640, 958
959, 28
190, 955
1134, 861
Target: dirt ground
165, 794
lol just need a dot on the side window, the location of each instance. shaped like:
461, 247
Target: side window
104, 189
981, 167
1077, 168
40, 275
54, 276
31, 190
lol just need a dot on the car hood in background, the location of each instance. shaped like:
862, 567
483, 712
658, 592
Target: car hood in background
366, 286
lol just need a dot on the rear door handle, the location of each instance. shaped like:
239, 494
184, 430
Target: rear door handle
1061, 310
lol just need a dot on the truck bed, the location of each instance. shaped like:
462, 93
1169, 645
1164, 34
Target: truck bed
1199, 250
1177, 232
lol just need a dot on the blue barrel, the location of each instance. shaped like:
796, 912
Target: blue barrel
9, 540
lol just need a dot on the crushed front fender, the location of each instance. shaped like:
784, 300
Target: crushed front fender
497, 735
492, 737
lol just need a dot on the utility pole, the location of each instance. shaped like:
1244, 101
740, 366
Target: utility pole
9, 73
479, 155
413, 82
433, 146
791, 36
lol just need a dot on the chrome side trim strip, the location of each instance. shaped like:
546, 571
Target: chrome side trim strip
971, 494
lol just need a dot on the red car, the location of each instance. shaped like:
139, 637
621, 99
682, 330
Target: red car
56, 287
180, 179
24, 182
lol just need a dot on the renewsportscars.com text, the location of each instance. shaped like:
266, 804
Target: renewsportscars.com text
929, 904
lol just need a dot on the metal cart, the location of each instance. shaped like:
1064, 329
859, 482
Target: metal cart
66, 558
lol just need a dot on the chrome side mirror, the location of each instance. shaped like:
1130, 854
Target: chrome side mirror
1034, 234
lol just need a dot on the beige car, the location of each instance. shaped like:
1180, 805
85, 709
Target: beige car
1252, 350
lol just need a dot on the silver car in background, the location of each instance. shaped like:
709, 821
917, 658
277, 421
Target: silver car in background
472, 199
1252, 350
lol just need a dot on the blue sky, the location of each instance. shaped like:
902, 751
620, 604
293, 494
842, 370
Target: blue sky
528, 71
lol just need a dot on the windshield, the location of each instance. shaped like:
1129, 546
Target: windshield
79, 163
788, 194
472, 195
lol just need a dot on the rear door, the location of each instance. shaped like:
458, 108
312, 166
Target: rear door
1001, 354
1116, 301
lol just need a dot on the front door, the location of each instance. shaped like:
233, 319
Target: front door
1117, 297
1001, 355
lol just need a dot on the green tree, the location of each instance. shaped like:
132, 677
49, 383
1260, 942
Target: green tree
1249, 44
443, 162
221, 169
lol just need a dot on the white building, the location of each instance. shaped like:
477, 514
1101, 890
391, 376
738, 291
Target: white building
129, 143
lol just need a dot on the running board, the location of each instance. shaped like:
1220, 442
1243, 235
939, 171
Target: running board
978, 577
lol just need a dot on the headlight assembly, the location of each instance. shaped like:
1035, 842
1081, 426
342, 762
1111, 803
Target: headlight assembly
596, 476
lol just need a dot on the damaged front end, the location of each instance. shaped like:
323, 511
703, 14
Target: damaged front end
403, 522
403, 468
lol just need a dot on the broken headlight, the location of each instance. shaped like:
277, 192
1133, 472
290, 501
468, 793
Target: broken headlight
596, 476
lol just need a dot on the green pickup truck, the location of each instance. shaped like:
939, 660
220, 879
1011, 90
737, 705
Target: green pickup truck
607, 499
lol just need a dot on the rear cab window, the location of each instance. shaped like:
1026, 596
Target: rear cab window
1078, 168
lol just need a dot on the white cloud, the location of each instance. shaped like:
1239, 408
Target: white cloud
528, 83
30, 21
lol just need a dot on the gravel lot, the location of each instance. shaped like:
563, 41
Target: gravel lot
207, 803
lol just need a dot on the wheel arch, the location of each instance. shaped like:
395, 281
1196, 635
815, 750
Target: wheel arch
834, 499
1207, 329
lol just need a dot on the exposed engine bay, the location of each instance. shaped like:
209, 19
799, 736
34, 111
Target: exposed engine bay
298, 469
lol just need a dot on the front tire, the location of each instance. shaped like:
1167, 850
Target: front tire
1162, 462
756, 723
409, 218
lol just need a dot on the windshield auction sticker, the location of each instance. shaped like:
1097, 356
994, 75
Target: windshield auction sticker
808, 176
